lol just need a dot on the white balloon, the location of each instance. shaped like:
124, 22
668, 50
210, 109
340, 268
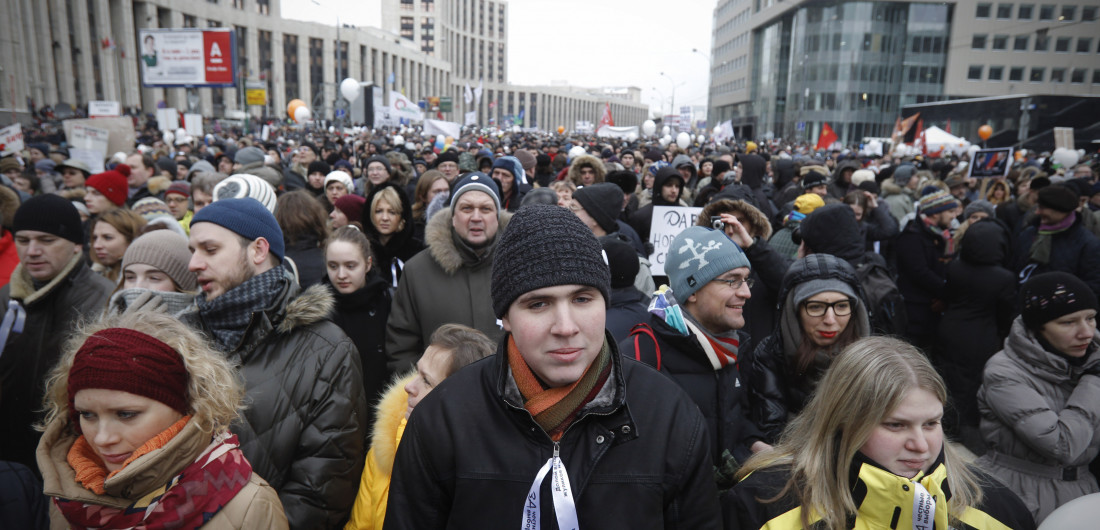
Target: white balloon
576, 151
665, 141
350, 89
649, 127
303, 114
717, 129
1064, 157
666, 130
631, 136
398, 140
683, 140
331, 129
702, 138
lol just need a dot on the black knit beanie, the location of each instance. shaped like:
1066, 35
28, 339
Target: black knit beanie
1048, 296
622, 260
50, 214
604, 202
546, 246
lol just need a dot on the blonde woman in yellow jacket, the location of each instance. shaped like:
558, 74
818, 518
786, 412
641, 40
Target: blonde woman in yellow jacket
453, 346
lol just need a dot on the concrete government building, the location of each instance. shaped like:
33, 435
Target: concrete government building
783, 68
75, 51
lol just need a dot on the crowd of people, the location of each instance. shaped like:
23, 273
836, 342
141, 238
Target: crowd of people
229, 332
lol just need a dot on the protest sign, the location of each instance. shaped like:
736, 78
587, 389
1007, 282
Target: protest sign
991, 162
89, 145
104, 109
667, 223
11, 138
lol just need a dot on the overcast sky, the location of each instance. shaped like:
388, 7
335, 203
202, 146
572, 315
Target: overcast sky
586, 42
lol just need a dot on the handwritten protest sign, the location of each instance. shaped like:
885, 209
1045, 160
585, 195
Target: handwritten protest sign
89, 145
667, 223
11, 138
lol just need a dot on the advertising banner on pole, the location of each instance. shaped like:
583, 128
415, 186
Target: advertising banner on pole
188, 57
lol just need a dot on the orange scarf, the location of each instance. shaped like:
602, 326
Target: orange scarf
92, 473
555, 408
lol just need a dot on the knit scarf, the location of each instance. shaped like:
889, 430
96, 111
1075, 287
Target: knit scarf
189, 500
228, 315
949, 242
555, 409
721, 349
1040, 248
89, 468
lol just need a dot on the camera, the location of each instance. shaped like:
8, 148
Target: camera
717, 223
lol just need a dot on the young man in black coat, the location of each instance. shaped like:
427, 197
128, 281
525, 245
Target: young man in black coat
556, 425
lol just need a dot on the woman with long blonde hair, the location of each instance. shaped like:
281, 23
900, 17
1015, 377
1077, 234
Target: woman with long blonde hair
137, 432
868, 451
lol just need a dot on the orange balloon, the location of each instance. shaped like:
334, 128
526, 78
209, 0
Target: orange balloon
293, 106
561, 129
984, 132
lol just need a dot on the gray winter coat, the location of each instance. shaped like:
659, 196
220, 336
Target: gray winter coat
1041, 418
305, 428
446, 284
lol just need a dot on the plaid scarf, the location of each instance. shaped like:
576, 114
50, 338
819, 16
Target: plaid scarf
189, 500
949, 241
228, 315
555, 409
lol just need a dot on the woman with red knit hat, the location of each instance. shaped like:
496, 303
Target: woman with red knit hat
137, 432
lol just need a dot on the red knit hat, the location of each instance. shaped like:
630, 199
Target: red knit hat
129, 361
111, 184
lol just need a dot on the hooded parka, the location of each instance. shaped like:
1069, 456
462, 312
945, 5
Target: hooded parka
1040, 416
391, 256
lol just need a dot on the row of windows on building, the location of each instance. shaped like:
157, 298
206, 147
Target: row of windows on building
737, 20
1034, 74
731, 86
1042, 43
410, 5
1067, 13
263, 7
732, 44
738, 63
726, 7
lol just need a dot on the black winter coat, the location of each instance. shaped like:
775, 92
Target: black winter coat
51, 314
980, 296
309, 259
629, 307
720, 395
642, 219
362, 315
636, 456
1076, 251
922, 277
305, 429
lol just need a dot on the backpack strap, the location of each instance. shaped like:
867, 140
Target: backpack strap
644, 329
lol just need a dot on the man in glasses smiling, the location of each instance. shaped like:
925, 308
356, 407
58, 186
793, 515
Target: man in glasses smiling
695, 339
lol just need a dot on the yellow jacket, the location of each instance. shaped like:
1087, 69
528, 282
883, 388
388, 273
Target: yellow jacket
374, 489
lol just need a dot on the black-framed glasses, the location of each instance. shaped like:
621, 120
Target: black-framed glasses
736, 284
840, 308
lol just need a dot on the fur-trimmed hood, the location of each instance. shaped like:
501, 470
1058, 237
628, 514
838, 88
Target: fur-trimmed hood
586, 160
311, 306
441, 244
389, 423
758, 222
158, 184
22, 285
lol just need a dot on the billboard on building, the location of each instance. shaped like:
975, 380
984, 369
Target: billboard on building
188, 57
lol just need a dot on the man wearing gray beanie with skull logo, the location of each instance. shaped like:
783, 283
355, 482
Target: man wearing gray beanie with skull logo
600, 441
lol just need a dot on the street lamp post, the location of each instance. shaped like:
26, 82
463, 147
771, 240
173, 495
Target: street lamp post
672, 102
339, 103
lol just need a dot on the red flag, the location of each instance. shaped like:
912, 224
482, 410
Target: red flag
948, 128
918, 138
606, 118
827, 137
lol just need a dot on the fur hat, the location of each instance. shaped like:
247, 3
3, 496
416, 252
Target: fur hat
698, 255
860, 176
546, 246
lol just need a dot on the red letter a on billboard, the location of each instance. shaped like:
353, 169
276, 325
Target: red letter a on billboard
217, 51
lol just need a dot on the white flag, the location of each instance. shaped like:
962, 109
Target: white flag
468, 94
403, 108
471, 118
477, 91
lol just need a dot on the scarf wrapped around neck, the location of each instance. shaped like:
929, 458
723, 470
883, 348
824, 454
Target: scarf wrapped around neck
228, 315
554, 409
945, 233
1040, 248
187, 501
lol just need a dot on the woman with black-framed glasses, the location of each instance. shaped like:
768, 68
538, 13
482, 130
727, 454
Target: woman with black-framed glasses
821, 312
